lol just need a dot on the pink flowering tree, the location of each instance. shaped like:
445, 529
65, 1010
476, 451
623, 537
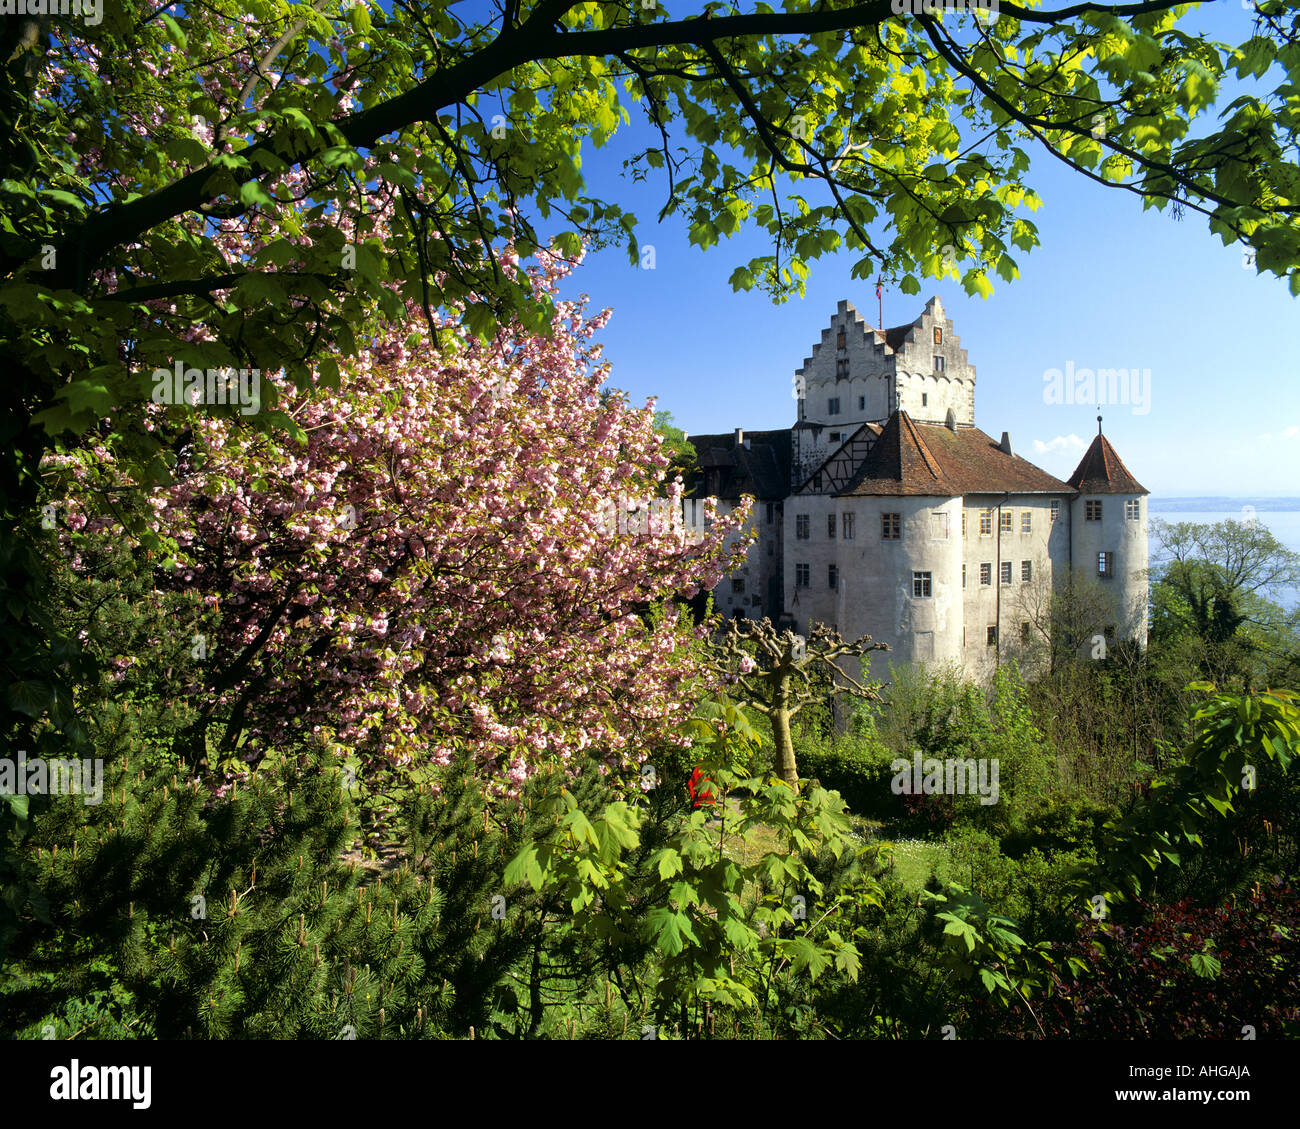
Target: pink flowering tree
440, 564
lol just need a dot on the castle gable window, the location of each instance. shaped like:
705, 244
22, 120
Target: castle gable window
842, 367
801, 527
891, 527
1092, 509
938, 335
920, 585
938, 363
840, 341
1133, 509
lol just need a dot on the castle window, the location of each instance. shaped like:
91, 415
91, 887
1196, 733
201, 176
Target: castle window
1056, 511
938, 526
862, 403
771, 512
891, 527
846, 526
832, 577
920, 585
830, 526
986, 575
840, 340
1026, 521
817, 481
938, 335
938, 364
801, 527
1106, 564
738, 585
833, 406
835, 436
1092, 509
986, 522
963, 523
842, 367
801, 576
1004, 572
1132, 509
1005, 518
1024, 631
925, 399
771, 548
1026, 571
991, 635
963, 576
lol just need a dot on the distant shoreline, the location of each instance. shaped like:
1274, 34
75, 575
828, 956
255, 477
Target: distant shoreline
1210, 504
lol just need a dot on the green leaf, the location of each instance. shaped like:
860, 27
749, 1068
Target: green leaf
174, 32
524, 868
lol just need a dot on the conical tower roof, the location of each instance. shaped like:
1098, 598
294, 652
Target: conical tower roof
1102, 471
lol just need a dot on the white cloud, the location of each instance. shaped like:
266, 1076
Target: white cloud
1292, 432
1059, 444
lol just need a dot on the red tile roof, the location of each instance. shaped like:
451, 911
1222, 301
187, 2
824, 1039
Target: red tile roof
1101, 471
930, 460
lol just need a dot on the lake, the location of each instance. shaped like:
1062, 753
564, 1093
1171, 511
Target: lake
1280, 515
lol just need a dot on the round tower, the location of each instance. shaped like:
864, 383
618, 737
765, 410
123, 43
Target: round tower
1108, 537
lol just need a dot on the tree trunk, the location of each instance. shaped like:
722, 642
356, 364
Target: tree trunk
780, 717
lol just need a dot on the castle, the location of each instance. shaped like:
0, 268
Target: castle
885, 511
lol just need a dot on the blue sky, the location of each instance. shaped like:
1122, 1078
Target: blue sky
1111, 286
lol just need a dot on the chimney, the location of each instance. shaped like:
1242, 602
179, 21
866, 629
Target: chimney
741, 441
1005, 445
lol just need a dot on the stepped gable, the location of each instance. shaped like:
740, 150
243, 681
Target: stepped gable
929, 460
761, 469
1101, 471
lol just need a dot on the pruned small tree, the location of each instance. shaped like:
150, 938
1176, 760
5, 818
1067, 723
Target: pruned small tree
783, 684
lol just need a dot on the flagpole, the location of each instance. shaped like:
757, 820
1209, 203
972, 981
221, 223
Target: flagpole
880, 304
